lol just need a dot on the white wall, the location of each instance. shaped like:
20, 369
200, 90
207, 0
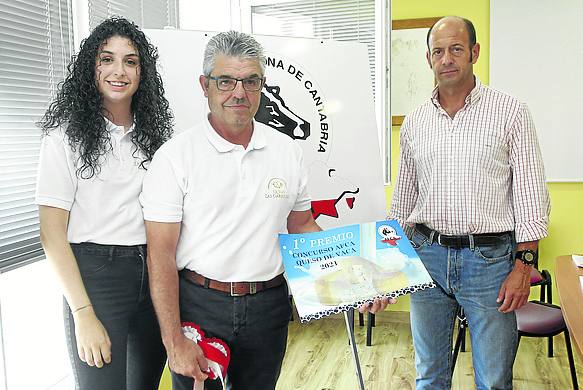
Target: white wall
32, 329
537, 58
215, 15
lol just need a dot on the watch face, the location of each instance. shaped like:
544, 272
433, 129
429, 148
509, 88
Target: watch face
527, 256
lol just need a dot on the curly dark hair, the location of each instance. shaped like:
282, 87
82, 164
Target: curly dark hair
78, 104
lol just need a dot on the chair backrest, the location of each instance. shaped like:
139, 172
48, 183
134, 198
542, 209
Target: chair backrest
535, 276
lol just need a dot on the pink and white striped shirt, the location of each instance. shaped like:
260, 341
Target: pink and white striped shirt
479, 172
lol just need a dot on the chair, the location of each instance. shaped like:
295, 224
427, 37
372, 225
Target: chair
370, 323
538, 278
534, 319
460, 341
543, 279
541, 319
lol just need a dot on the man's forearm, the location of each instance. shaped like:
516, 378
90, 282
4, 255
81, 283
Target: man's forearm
164, 292
531, 245
184, 356
302, 222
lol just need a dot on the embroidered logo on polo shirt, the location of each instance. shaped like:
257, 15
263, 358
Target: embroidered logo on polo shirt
276, 188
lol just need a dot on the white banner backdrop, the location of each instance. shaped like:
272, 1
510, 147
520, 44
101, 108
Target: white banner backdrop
317, 92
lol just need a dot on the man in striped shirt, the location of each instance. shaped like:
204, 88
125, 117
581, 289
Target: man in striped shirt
471, 189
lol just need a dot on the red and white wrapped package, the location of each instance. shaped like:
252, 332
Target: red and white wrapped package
216, 352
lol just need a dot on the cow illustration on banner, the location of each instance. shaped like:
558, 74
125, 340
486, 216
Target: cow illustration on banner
274, 113
319, 94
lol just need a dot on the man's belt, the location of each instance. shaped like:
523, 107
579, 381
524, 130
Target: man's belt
235, 289
461, 241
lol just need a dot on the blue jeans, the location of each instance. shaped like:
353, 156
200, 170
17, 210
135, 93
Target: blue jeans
470, 277
116, 280
253, 326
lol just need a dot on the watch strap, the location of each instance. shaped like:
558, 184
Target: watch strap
527, 256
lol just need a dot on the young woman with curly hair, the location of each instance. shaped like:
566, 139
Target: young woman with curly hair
99, 135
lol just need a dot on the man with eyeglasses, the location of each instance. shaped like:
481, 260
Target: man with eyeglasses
215, 197
471, 187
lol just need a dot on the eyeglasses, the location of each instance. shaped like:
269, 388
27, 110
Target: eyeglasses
250, 84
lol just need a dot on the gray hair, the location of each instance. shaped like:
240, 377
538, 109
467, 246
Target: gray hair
232, 44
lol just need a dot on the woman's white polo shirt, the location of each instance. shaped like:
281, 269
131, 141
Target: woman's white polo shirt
104, 209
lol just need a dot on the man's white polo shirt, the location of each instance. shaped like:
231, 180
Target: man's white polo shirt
232, 201
103, 209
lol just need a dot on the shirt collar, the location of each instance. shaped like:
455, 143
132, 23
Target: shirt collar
472, 98
113, 128
476, 93
258, 138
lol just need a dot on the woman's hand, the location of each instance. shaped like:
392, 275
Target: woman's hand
93, 344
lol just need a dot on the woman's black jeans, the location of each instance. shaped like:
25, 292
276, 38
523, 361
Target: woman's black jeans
116, 280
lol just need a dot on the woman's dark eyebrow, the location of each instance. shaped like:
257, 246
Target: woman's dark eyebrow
127, 55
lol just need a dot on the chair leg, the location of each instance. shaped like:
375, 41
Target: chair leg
518, 342
550, 352
369, 325
456, 349
462, 325
549, 294
571, 361
463, 339
360, 319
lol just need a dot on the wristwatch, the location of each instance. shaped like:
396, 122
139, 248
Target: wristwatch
527, 256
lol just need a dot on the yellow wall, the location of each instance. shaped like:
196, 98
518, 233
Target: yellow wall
166, 382
566, 225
